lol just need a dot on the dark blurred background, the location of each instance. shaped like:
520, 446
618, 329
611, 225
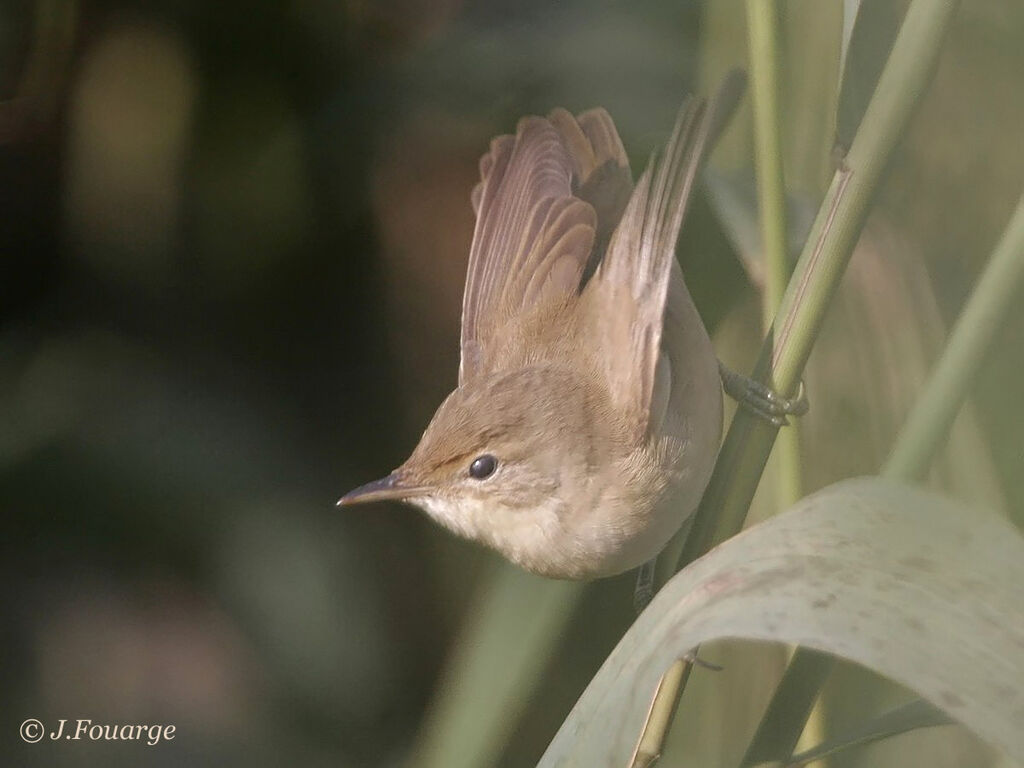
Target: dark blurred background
233, 239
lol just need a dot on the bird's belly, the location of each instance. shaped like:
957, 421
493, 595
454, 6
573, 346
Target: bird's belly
614, 533
626, 534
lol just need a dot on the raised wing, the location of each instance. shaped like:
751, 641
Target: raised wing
546, 197
624, 303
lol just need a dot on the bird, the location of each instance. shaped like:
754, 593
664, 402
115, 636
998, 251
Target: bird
588, 412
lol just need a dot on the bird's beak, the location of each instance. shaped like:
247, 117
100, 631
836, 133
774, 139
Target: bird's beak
392, 487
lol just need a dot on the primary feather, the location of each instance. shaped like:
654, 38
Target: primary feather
558, 218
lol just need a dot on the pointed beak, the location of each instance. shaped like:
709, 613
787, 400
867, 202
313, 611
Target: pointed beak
392, 487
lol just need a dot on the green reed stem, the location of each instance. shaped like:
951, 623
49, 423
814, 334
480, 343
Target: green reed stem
765, 64
933, 413
822, 262
922, 436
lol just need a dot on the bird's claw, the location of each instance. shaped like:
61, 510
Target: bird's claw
762, 400
644, 589
692, 658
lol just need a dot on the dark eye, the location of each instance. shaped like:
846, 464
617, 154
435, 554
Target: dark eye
483, 467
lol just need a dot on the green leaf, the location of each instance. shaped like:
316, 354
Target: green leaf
499, 660
867, 41
903, 719
899, 580
850, 10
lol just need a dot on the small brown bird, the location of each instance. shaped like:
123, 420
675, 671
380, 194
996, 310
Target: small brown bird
588, 412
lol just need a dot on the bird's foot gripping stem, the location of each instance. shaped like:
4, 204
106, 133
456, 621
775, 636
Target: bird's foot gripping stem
762, 400
644, 589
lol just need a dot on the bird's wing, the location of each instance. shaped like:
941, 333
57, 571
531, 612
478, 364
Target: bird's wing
624, 302
545, 197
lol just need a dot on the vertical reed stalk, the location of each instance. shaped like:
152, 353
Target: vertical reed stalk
922, 436
822, 262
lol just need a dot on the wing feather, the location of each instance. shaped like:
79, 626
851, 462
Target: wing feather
625, 300
535, 230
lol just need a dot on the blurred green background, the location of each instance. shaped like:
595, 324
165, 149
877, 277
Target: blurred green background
233, 239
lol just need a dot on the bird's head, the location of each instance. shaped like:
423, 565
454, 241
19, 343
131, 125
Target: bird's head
504, 460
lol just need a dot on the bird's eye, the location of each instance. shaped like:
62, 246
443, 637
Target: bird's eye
483, 467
